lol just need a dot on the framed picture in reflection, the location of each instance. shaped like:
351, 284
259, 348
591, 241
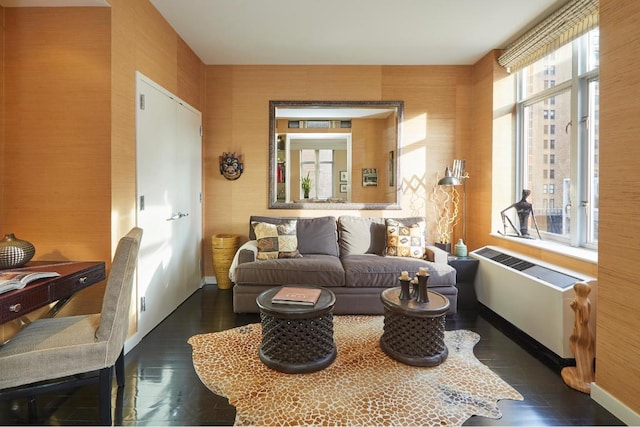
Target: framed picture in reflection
369, 177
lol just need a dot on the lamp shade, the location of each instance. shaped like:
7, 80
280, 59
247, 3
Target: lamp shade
449, 179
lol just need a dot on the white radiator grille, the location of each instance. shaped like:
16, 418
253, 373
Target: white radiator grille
545, 274
532, 295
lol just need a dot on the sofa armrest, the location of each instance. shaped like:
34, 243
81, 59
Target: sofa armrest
246, 255
435, 254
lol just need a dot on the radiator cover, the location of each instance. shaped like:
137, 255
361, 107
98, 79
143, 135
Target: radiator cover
532, 295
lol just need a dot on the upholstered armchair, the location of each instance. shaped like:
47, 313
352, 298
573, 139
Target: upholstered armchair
59, 352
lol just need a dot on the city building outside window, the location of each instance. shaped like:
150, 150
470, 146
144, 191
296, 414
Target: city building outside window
570, 216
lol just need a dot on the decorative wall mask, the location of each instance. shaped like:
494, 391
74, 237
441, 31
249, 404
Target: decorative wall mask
231, 166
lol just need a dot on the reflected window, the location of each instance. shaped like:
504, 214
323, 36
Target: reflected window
319, 165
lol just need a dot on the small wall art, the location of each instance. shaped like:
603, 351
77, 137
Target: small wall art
343, 176
369, 177
343, 188
231, 166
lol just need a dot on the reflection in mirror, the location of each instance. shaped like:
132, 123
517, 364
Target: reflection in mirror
334, 154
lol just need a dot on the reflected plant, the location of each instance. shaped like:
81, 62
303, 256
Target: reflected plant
306, 185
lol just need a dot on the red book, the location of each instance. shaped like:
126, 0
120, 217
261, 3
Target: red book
292, 295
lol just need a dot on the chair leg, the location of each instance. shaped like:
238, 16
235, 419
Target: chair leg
32, 410
120, 369
105, 396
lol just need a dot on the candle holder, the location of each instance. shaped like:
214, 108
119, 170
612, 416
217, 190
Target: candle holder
405, 293
414, 287
423, 294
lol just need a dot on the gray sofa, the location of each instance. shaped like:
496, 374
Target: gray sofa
344, 254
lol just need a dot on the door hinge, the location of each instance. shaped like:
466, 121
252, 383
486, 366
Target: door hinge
200, 130
143, 304
141, 203
142, 103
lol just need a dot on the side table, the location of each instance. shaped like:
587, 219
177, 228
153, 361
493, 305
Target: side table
414, 332
297, 338
466, 269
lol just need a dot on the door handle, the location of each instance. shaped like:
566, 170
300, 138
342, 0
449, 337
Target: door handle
177, 216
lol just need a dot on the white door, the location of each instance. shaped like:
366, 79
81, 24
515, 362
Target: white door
168, 161
189, 180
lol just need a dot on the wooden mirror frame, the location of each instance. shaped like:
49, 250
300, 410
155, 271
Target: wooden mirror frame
273, 197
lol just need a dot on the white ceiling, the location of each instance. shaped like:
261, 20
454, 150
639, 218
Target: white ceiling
351, 32
341, 32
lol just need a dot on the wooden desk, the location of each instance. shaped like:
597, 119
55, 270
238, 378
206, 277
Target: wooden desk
74, 276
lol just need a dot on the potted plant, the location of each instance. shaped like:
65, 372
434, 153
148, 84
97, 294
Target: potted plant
306, 185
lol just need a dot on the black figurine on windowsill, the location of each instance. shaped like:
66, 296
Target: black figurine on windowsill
523, 210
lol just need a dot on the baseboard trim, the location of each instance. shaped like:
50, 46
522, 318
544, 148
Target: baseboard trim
210, 280
613, 405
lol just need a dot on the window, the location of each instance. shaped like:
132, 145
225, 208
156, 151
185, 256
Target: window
319, 165
574, 179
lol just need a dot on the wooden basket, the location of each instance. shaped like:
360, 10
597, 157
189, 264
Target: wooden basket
223, 248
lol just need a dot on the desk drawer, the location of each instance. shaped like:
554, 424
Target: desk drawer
67, 286
22, 303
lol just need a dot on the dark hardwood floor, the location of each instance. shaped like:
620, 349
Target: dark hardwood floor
162, 387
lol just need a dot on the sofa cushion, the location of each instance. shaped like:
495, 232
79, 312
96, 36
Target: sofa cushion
318, 236
276, 241
359, 236
374, 271
317, 270
315, 235
405, 240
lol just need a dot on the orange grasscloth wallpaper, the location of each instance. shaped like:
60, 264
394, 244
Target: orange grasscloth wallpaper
67, 173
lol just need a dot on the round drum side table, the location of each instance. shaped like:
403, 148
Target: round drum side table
297, 338
414, 332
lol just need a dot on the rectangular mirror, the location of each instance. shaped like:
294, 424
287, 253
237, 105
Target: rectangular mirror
334, 154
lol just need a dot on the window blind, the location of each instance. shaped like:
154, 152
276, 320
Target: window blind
568, 22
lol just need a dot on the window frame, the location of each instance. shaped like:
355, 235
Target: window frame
315, 178
580, 147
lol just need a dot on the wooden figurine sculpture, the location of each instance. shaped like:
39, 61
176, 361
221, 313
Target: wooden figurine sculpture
582, 343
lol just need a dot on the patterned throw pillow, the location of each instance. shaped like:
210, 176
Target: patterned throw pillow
405, 240
276, 241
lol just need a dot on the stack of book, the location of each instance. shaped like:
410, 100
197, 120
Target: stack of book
293, 295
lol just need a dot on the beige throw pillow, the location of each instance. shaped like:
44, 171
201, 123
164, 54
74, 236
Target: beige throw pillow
276, 241
405, 240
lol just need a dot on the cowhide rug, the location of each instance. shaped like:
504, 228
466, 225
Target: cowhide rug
362, 387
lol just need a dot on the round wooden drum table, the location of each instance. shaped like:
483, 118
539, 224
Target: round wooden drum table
297, 338
414, 332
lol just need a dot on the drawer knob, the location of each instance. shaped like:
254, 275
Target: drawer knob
15, 307
82, 280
